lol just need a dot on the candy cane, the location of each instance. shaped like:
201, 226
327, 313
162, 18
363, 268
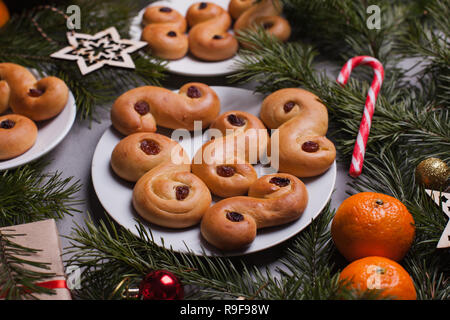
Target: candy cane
369, 107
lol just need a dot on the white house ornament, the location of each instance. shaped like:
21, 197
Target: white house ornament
92, 52
444, 199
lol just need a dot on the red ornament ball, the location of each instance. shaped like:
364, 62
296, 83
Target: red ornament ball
161, 285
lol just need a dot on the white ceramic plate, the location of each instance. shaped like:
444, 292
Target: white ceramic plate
115, 194
50, 134
189, 65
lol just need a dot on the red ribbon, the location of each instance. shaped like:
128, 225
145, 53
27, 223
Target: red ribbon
53, 284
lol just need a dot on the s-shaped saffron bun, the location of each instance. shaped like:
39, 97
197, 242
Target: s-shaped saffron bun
209, 38
232, 223
168, 194
35, 99
265, 13
138, 153
165, 32
142, 109
225, 163
171, 196
302, 122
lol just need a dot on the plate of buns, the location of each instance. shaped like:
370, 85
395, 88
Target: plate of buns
35, 115
204, 176
198, 38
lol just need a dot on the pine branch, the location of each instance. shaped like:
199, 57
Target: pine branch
310, 259
273, 65
108, 255
105, 250
339, 28
28, 194
17, 281
430, 42
431, 284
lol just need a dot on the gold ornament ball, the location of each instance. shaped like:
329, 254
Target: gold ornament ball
433, 173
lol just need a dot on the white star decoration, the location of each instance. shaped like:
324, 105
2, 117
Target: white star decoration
444, 199
94, 51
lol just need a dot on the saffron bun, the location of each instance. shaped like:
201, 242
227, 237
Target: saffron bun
232, 223
302, 123
35, 99
225, 163
142, 109
209, 39
165, 32
266, 14
167, 194
171, 196
140, 152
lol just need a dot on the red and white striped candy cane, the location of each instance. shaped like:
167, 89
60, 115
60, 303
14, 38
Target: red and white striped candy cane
369, 108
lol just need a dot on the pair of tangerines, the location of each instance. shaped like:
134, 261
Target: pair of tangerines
373, 231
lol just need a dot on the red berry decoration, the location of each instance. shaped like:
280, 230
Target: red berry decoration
161, 285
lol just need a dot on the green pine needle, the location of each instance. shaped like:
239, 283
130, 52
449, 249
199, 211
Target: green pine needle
18, 274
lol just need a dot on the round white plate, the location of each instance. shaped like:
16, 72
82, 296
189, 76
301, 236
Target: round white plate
189, 65
50, 134
115, 194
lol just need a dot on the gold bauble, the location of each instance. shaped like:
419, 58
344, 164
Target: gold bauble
433, 173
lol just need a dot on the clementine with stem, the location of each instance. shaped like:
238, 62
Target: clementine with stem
372, 224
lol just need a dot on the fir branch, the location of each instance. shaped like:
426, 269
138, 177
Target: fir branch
107, 252
104, 249
339, 28
271, 64
430, 42
17, 281
28, 194
310, 259
431, 284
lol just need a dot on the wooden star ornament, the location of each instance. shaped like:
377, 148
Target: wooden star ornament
92, 52
442, 198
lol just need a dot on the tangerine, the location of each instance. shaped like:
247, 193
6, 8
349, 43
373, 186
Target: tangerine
4, 14
372, 224
379, 273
